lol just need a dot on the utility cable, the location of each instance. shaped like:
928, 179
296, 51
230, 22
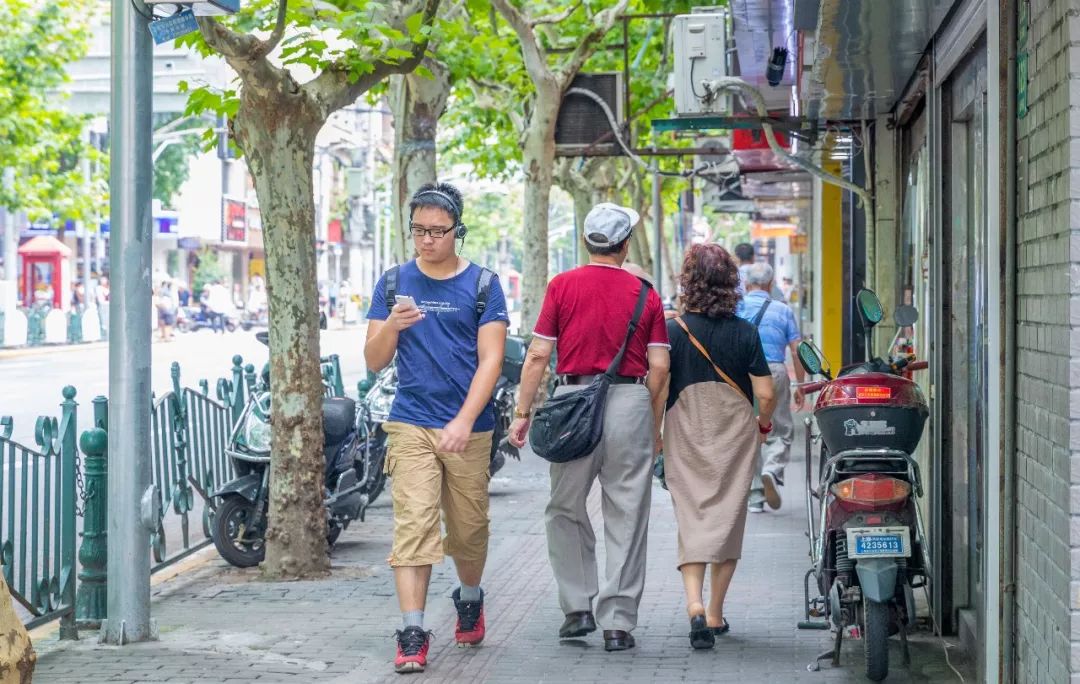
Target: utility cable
626, 148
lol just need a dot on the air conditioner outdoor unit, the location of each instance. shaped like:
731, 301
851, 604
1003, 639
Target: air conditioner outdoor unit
701, 42
582, 123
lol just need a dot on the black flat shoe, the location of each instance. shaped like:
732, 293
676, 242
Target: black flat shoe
617, 640
577, 625
723, 629
701, 635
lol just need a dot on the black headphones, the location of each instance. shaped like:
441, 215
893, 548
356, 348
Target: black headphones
460, 229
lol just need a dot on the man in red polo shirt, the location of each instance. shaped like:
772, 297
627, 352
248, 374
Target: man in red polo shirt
586, 312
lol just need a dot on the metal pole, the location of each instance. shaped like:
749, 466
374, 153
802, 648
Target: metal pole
658, 215
10, 241
130, 177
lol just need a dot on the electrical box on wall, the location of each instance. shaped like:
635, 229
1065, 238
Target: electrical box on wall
701, 55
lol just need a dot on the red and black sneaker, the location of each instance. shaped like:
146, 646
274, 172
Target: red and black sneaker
412, 649
469, 630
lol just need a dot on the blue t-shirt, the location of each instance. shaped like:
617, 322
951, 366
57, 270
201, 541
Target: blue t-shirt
777, 329
437, 357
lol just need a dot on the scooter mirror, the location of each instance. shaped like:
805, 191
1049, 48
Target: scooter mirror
263, 336
809, 358
905, 316
869, 307
363, 387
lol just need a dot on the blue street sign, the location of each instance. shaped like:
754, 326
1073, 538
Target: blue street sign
171, 28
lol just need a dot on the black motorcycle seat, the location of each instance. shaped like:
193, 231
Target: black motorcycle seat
339, 417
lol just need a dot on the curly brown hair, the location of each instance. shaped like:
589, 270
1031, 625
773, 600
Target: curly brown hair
710, 281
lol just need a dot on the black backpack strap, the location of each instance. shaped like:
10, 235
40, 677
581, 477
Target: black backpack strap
761, 313
483, 290
643, 297
391, 286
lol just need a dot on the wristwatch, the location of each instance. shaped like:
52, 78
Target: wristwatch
518, 413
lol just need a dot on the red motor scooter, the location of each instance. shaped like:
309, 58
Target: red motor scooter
867, 541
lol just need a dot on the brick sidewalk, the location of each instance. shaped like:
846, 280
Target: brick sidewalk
219, 624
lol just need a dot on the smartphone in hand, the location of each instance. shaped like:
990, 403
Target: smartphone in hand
405, 301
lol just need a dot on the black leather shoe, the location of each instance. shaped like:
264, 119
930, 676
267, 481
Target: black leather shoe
701, 635
617, 640
577, 625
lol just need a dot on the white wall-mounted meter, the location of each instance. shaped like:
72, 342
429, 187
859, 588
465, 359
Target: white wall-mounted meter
701, 55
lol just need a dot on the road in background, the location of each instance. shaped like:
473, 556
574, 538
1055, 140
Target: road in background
31, 383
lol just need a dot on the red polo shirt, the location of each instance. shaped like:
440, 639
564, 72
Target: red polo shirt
587, 311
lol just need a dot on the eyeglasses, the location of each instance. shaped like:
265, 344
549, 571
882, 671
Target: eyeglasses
419, 231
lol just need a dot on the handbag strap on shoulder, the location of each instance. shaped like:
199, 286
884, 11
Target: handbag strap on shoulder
643, 296
704, 352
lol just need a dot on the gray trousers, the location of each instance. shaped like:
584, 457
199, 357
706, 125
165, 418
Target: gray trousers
623, 463
775, 453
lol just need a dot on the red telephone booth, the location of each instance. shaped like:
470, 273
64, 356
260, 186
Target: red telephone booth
46, 264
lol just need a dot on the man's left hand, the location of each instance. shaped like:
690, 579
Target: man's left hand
455, 436
799, 398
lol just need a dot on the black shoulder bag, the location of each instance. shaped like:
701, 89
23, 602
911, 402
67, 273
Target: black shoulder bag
570, 426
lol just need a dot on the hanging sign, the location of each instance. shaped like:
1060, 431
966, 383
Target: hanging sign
172, 27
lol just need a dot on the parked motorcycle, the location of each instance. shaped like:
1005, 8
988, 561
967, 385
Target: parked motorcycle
192, 318
867, 541
254, 319
378, 396
353, 474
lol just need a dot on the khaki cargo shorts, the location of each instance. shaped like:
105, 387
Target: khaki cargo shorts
424, 480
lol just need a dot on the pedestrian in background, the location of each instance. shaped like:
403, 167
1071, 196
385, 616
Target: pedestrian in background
217, 305
165, 301
711, 436
778, 330
744, 252
449, 356
101, 300
586, 313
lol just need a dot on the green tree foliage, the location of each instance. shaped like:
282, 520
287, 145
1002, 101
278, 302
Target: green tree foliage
43, 143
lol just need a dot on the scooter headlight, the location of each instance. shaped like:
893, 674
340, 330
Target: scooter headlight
257, 433
257, 425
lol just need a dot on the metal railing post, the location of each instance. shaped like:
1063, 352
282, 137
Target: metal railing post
249, 376
182, 497
339, 384
237, 398
68, 457
91, 602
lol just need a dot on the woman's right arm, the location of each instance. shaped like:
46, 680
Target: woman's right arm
766, 397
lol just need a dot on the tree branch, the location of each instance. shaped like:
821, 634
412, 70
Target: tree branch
587, 47
556, 18
267, 46
331, 90
233, 46
535, 59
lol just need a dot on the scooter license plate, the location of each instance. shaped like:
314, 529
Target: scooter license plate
879, 542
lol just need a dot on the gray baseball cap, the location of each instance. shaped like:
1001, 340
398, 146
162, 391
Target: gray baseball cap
609, 224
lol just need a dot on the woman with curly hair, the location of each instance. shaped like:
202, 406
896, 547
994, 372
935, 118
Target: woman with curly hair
711, 436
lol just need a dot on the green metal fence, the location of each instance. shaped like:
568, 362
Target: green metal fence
37, 517
40, 490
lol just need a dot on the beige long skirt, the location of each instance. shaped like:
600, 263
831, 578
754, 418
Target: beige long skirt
710, 452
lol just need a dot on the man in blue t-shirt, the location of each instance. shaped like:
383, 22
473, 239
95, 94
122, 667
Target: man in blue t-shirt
449, 357
779, 332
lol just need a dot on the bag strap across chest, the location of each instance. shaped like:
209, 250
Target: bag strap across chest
643, 296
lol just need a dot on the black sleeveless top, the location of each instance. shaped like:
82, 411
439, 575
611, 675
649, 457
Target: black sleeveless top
733, 343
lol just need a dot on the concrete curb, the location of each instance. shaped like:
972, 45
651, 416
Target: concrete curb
19, 352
